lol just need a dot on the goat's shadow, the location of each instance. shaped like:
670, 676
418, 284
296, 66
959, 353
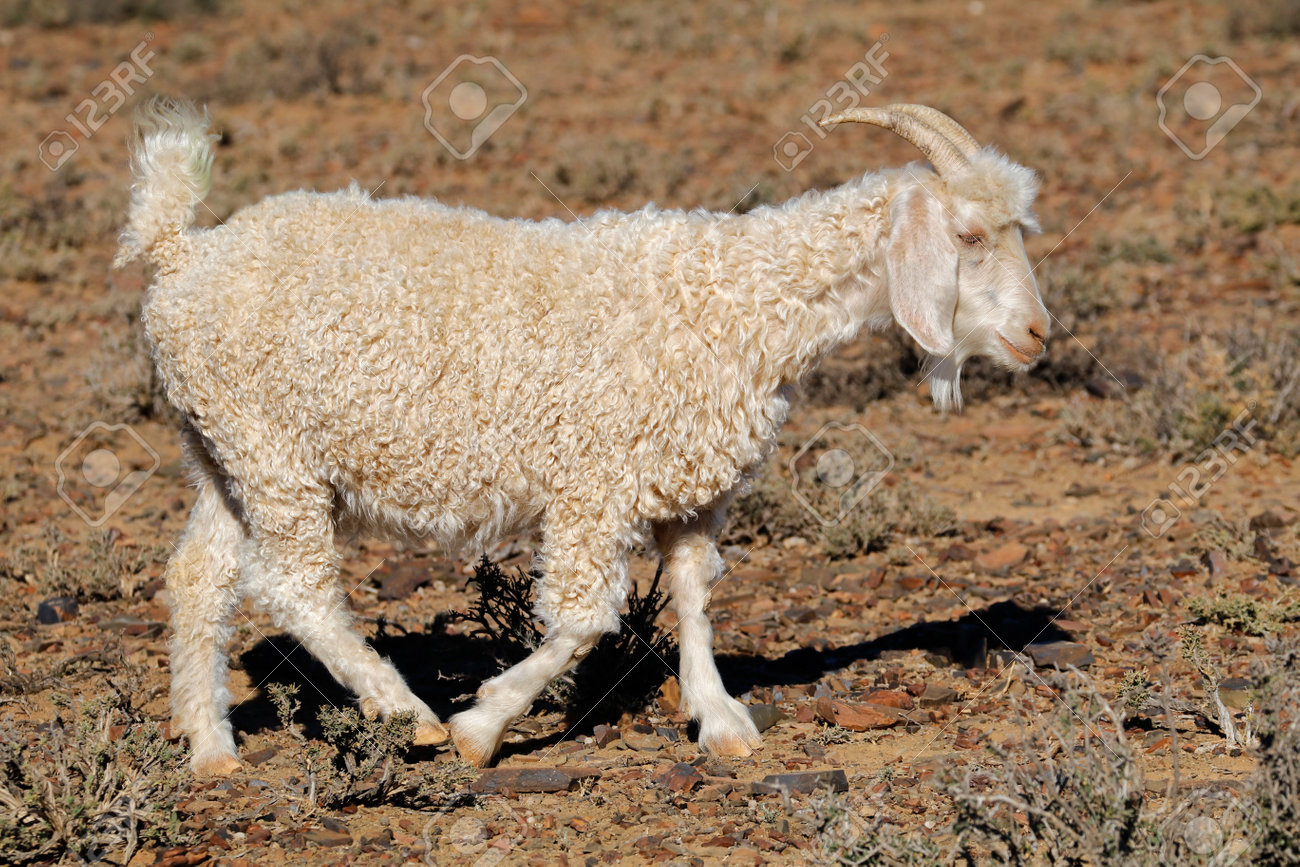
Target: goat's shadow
445, 669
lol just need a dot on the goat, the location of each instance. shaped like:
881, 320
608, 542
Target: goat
415, 370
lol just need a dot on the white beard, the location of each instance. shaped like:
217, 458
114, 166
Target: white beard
944, 376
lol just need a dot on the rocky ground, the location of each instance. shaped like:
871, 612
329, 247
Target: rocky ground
1063, 577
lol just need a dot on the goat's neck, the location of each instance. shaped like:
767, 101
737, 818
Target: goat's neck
807, 276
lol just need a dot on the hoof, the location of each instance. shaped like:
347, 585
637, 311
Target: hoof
219, 765
431, 734
369, 708
730, 745
467, 735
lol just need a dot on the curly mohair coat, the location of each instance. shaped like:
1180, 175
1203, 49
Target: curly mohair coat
417, 370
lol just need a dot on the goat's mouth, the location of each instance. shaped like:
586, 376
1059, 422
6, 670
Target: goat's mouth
1016, 352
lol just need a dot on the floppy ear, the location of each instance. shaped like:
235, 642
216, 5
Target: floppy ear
921, 262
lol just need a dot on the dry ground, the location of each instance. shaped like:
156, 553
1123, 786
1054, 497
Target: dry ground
1029, 518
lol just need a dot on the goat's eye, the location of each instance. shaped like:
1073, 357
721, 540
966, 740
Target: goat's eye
972, 239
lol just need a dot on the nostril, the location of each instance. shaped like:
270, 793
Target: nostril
1038, 335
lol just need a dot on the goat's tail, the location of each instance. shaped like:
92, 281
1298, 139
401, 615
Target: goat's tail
171, 164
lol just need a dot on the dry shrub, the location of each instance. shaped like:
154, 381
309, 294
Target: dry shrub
99, 779
771, 509
359, 762
1276, 784
624, 671
1274, 18
1196, 395
331, 59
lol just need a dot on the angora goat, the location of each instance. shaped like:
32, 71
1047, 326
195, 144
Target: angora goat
422, 371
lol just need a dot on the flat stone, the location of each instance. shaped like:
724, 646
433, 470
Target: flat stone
256, 758
681, 777
604, 735
937, 696
1003, 557
765, 715
403, 579
327, 837
958, 552
1060, 655
1215, 562
670, 695
804, 782
1269, 520
646, 743
57, 609
890, 698
1235, 692
529, 779
125, 624
858, 717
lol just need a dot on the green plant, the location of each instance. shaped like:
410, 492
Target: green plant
367, 752
1134, 692
1240, 613
284, 698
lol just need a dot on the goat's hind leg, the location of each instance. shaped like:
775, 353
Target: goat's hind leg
293, 574
692, 563
202, 580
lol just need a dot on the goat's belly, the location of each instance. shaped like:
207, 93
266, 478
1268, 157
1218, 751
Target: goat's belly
455, 516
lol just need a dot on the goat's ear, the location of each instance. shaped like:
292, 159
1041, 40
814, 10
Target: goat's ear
921, 263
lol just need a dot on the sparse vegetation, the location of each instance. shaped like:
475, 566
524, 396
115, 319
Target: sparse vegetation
1240, 613
845, 837
867, 524
100, 779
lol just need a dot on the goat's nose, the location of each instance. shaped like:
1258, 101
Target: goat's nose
1038, 336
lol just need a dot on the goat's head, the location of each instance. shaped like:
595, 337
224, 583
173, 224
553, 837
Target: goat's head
959, 280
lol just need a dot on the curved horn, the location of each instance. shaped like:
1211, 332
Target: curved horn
953, 131
935, 145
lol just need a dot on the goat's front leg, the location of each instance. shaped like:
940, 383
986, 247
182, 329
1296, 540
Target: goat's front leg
583, 585
692, 563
